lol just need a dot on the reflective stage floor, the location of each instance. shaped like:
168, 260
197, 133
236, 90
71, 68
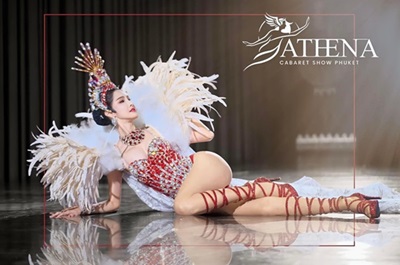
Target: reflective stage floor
137, 235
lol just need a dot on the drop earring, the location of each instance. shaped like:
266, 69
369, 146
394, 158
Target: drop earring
114, 121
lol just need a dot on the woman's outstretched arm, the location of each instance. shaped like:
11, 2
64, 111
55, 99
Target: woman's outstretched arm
111, 205
203, 135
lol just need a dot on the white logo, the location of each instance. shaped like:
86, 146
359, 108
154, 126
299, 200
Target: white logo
280, 36
281, 29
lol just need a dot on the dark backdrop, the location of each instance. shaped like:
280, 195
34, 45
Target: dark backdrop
268, 105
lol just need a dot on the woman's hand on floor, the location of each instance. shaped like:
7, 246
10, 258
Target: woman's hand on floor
67, 212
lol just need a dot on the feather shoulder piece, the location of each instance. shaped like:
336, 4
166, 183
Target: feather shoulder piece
72, 169
169, 90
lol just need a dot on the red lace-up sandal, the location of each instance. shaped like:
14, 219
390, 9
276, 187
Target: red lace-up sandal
277, 190
241, 193
356, 203
247, 192
367, 205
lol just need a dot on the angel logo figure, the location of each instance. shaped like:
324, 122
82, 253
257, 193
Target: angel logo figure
281, 29
155, 158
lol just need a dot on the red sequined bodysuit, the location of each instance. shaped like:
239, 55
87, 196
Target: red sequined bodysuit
163, 170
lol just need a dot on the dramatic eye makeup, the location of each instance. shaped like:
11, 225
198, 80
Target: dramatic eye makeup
121, 99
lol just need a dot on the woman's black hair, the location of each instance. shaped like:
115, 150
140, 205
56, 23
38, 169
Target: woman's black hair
98, 114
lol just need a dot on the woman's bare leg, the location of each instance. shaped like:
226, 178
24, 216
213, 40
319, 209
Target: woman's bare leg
299, 206
205, 187
191, 200
209, 172
205, 190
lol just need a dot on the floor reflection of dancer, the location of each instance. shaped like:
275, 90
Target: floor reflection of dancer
75, 240
197, 184
203, 240
179, 240
263, 234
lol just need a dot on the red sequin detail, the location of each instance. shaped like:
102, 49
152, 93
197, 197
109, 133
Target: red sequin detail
164, 170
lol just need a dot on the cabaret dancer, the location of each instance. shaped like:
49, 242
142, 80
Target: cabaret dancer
154, 157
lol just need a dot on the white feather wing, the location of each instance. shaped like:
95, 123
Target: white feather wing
168, 96
73, 160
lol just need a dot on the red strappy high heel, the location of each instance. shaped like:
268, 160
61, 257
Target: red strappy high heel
367, 205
